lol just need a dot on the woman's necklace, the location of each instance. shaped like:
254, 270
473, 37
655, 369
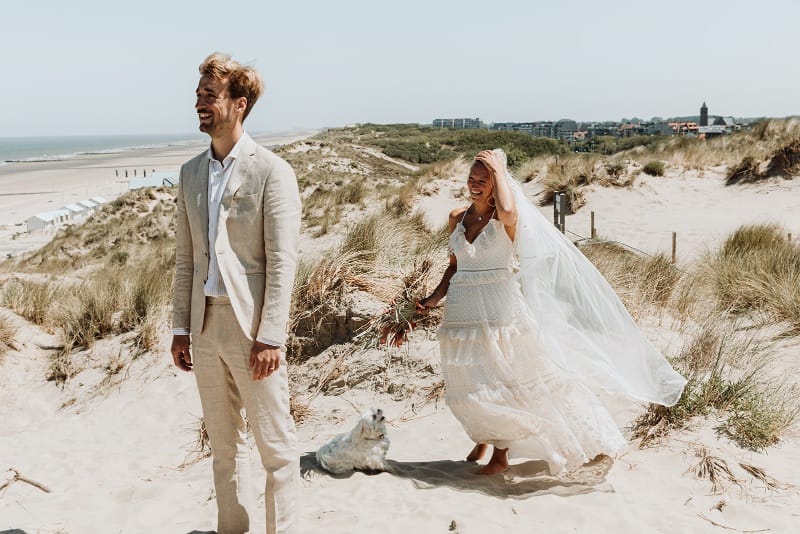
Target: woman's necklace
480, 217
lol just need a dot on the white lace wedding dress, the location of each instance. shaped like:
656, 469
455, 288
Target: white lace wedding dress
500, 384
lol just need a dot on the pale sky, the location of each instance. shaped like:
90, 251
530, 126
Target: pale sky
84, 67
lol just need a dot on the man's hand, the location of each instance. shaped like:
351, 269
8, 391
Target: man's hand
264, 360
180, 353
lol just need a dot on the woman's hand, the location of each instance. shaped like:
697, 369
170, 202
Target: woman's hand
423, 306
493, 162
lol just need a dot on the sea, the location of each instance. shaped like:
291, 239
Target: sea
17, 149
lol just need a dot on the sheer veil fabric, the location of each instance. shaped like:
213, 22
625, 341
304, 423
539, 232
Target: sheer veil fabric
583, 326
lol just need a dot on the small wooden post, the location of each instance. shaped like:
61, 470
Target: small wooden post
674, 240
559, 210
593, 233
790, 236
555, 207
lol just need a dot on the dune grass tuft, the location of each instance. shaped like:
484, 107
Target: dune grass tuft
8, 335
654, 168
569, 174
29, 298
638, 280
724, 365
757, 268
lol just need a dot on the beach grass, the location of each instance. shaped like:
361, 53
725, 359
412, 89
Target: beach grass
29, 298
724, 364
8, 334
757, 269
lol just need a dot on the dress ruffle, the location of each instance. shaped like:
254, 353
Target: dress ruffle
468, 332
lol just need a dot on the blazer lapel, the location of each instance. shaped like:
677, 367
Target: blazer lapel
240, 169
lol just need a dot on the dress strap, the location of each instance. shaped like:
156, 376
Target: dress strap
465, 214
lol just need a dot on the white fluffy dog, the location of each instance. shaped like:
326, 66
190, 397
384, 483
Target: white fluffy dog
364, 448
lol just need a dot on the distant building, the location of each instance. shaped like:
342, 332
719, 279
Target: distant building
76, 210
48, 219
89, 205
565, 130
458, 124
704, 115
543, 129
728, 122
629, 129
684, 128
596, 129
659, 128
715, 130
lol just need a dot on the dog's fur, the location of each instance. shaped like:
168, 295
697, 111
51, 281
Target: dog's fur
364, 448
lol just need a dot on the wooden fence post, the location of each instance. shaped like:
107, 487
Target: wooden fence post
593, 232
674, 239
559, 209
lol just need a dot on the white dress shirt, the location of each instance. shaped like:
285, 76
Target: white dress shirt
218, 175
219, 172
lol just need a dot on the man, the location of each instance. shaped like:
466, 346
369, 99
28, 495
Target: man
237, 227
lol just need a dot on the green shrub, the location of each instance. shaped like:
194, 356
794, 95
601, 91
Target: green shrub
654, 168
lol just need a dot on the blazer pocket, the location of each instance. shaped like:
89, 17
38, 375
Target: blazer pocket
243, 199
244, 210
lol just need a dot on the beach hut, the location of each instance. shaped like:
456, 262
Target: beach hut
89, 205
76, 210
48, 219
99, 200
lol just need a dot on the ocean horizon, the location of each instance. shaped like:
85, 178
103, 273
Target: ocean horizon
54, 148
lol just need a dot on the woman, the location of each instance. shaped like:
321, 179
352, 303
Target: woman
531, 333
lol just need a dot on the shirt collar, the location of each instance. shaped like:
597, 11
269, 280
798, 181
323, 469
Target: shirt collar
233, 154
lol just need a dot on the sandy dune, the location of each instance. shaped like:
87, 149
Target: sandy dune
116, 452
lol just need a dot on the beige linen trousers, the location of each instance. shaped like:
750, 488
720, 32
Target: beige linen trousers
256, 249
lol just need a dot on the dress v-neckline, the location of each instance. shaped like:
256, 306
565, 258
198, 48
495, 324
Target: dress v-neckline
480, 233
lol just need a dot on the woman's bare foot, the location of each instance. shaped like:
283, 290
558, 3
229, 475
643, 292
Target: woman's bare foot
477, 452
497, 464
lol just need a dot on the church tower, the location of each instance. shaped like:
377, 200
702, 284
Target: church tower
704, 115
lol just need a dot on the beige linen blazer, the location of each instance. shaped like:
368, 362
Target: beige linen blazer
256, 247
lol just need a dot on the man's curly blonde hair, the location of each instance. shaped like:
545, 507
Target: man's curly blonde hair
242, 81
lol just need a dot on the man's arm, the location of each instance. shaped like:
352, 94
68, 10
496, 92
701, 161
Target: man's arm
281, 239
182, 291
281, 242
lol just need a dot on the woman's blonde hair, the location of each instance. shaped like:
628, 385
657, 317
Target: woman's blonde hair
242, 81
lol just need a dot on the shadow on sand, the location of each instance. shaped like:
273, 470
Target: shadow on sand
527, 479
13, 531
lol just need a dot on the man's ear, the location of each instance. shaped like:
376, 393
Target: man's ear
241, 104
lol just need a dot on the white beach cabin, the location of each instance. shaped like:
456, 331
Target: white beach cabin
76, 210
48, 219
89, 205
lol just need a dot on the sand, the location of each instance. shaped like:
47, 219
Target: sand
117, 454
